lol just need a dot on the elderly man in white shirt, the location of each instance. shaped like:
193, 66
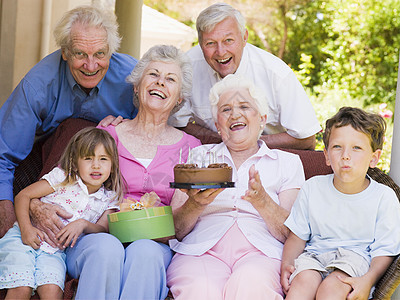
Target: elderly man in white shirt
223, 50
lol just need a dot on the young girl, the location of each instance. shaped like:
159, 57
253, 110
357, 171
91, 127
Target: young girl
88, 185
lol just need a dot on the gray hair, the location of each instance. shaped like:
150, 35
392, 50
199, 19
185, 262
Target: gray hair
168, 54
216, 13
233, 81
91, 17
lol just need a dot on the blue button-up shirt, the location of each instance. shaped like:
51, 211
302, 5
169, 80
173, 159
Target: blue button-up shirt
47, 95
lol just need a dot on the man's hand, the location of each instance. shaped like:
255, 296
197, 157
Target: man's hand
205, 135
7, 216
111, 120
46, 218
284, 140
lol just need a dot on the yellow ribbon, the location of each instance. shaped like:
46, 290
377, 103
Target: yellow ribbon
146, 201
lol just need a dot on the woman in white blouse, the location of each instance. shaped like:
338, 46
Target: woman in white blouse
229, 241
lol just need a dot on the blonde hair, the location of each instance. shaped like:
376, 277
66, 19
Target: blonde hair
83, 144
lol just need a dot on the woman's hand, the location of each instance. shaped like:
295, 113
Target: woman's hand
202, 197
274, 214
164, 240
256, 194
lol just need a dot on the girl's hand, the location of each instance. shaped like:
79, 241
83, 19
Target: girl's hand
32, 237
256, 193
71, 232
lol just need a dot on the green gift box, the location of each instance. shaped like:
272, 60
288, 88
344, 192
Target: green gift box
148, 223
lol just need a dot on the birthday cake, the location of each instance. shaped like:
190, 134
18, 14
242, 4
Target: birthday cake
191, 173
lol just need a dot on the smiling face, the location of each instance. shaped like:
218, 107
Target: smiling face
88, 58
349, 153
95, 170
160, 86
238, 119
223, 47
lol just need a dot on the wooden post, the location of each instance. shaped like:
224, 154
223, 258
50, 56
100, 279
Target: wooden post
129, 16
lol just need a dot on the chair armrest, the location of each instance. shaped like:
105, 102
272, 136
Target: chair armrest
389, 281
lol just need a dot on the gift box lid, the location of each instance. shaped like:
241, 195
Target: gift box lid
149, 223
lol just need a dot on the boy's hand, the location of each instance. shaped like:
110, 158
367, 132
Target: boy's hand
360, 287
70, 233
32, 237
286, 271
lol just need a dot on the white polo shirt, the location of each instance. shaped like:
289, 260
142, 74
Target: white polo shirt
279, 171
289, 107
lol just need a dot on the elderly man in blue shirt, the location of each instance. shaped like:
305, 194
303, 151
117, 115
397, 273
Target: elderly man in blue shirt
84, 79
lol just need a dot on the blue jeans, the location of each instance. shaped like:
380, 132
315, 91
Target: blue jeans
108, 271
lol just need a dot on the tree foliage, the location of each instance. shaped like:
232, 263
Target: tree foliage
354, 46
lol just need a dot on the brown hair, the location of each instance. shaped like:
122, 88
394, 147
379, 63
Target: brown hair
373, 125
83, 144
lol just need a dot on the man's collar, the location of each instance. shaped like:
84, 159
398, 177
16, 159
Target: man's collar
244, 62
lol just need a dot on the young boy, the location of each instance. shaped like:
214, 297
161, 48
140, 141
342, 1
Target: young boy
342, 224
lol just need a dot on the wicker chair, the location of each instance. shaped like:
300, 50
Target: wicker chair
44, 157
